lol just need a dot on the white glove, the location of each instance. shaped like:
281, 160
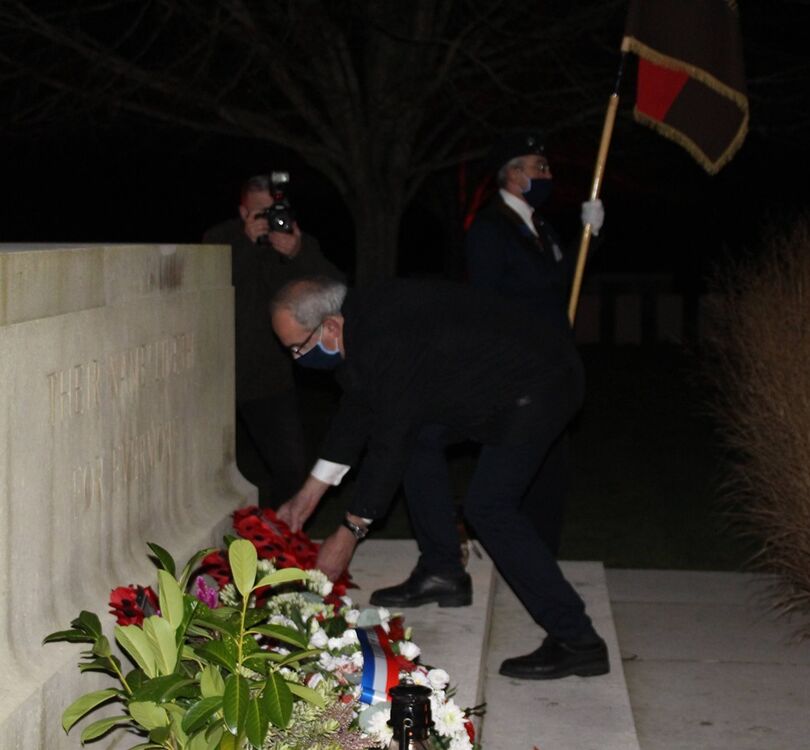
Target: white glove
593, 213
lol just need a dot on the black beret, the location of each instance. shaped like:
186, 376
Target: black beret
513, 145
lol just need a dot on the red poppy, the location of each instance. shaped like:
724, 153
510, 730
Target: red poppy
130, 604
215, 564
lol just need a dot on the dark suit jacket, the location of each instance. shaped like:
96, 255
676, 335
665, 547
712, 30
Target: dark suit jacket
504, 255
420, 353
263, 368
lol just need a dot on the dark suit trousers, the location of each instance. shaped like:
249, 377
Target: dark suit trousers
493, 508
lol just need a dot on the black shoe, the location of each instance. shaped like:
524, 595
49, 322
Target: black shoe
424, 588
556, 659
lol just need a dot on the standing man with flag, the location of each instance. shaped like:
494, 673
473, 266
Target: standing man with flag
512, 250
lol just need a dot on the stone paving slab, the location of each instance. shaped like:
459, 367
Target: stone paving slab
692, 586
574, 713
707, 667
720, 706
453, 638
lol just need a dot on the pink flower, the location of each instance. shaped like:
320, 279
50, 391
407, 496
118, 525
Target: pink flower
208, 595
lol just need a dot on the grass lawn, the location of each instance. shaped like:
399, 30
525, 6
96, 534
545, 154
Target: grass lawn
647, 467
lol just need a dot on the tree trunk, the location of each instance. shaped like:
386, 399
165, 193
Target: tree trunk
376, 220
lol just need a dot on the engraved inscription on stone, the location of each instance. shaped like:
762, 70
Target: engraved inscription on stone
85, 386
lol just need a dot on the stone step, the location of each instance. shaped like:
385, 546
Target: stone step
470, 643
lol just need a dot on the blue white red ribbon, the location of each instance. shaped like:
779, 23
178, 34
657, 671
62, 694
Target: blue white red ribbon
380, 667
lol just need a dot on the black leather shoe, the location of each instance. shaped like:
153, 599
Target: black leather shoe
425, 588
555, 659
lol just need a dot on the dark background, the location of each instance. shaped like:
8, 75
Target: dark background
649, 465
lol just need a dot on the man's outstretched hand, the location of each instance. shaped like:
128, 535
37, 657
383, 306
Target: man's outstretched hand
336, 553
300, 506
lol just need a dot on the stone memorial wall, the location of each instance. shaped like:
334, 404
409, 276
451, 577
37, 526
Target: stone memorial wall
116, 428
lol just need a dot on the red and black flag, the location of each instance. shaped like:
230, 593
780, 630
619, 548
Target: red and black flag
691, 81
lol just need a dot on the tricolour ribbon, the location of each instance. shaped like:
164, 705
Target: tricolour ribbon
380, 667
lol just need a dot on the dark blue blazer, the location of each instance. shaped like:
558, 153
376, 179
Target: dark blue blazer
505, 256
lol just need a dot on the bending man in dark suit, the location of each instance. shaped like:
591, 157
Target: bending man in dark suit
418, 360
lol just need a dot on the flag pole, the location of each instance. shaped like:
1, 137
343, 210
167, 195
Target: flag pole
596, 184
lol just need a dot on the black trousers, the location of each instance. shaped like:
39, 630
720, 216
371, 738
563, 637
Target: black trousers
270, 446
494, 507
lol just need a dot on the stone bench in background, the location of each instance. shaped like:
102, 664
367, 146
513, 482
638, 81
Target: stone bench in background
116, 428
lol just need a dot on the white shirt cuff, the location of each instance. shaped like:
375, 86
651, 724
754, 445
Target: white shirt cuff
328, 471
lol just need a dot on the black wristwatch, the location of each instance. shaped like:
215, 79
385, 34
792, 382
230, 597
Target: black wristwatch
358, 531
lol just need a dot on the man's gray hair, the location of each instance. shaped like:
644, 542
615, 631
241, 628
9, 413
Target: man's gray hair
310, 299
502, 172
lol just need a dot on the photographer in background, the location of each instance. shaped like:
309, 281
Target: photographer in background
268, 249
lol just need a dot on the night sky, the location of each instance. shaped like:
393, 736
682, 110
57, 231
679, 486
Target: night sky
134, 180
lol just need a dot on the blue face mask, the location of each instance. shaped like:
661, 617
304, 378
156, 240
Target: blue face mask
319, 357
538, 192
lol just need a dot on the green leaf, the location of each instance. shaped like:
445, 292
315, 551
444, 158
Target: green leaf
85, 705
221, 652
229, 742
243, 559
171, 599
134, 641
164, 558
102, 646
146, 746
199, 742
282, 633
256, 723
160, 635
216, 622
165, 688
200, 713
191, 566
277, 700
89, 622
72, 636
211, 682
286, 575
299, 656
214, 735
148, 714
308, 694
100, 665
102, 726
235, 703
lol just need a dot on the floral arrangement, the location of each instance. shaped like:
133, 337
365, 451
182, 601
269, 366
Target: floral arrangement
251, 647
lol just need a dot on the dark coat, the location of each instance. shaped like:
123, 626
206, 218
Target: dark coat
503, 255
420, 353
263, 368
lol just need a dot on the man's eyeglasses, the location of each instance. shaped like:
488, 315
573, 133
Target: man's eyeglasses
297, 349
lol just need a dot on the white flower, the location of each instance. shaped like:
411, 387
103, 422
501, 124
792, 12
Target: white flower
448, 719
350, 637
318, 582
335, 644
328, 662
318, 639
438, 679
461, 742
420, 677
384, 616
409, 650
374, 722
283, 620
357, 659
351, 615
